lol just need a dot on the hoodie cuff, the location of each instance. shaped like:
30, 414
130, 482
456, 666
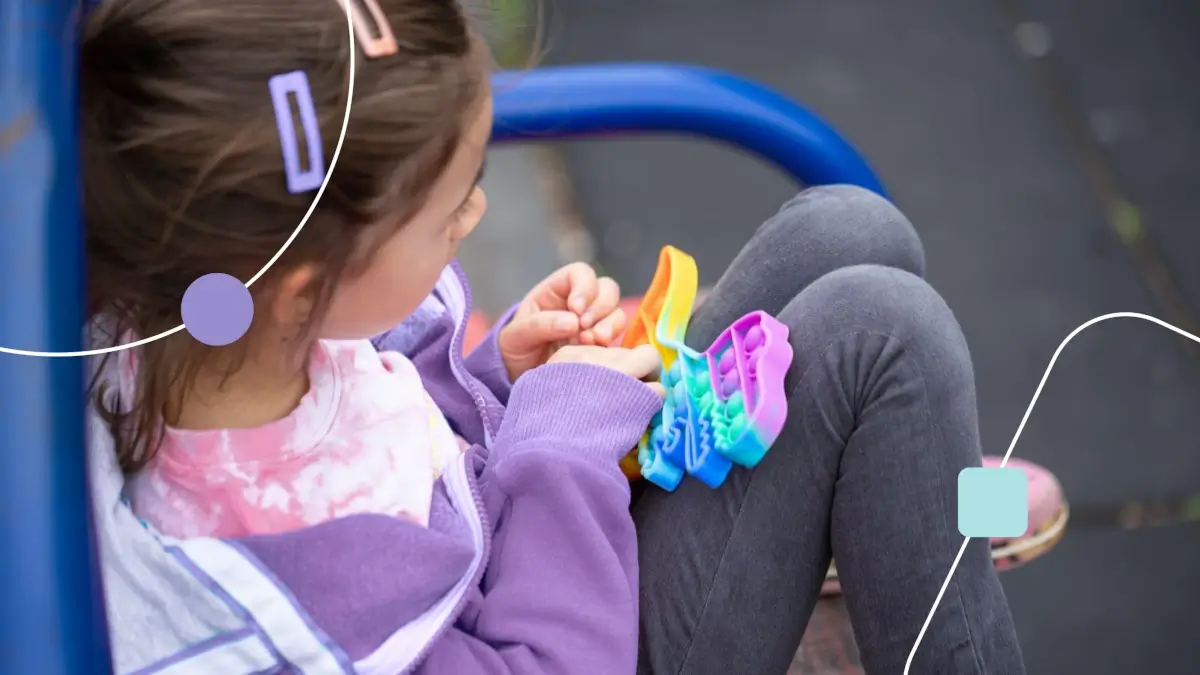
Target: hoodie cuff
586, 410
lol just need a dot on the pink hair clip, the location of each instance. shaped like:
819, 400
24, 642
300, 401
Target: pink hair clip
374, 46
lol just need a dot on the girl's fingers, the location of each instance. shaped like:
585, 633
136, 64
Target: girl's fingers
552, 326
572, 287
525, 309
641, 362
606, 330
607, 299
584, 287
540, 329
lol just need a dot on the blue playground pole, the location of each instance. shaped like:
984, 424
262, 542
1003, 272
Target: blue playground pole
51, 610
621, 99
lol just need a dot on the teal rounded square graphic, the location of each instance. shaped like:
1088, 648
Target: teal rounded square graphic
993, 502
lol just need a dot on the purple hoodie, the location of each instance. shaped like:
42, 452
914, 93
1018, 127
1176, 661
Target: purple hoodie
529, 564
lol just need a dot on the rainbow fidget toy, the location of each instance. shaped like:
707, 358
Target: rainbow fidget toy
724, 406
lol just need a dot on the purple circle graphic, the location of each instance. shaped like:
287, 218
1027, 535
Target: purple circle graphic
217, 309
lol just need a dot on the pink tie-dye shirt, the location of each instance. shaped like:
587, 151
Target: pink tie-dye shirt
366, 438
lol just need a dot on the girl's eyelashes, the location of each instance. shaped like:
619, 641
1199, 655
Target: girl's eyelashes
468, 204
461, 219
463, 209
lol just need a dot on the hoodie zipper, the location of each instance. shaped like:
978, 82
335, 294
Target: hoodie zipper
476, 578
454, 290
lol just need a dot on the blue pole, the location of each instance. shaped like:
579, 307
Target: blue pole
51, 609
655, 98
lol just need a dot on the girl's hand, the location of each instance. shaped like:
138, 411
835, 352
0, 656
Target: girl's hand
640, 363
571, 306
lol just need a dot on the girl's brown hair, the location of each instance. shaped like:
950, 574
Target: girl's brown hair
183, 171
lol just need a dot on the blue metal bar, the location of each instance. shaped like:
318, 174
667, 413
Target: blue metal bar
51, 610
583, 101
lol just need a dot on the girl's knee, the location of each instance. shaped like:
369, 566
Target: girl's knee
868, 333
876, 300
851, 224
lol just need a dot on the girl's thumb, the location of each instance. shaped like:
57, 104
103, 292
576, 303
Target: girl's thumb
537, 330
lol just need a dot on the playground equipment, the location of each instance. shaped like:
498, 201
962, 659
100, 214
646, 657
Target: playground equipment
52, 619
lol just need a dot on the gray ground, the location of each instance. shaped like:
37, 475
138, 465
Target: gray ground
1011, 132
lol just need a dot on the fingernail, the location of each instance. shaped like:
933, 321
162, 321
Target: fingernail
564, 323
586, 320
577, 302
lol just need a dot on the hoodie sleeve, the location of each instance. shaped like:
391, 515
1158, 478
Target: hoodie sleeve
486, 364
560, 593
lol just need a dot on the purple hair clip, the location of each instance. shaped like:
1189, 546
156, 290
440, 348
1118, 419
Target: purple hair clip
296, 83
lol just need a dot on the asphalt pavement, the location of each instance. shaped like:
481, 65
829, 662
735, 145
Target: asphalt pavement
1048, 152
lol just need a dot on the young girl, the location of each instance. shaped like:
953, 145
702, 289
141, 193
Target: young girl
340, 490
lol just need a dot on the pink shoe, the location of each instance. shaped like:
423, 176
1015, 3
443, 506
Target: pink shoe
1048, 515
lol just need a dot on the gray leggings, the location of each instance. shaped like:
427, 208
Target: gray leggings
881, 420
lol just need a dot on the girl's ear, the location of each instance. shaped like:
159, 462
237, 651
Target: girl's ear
291, 305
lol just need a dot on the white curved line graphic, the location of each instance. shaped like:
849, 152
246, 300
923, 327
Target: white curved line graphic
337, 152
1017, 436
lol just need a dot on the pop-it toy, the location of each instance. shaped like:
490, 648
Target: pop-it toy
725, 405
